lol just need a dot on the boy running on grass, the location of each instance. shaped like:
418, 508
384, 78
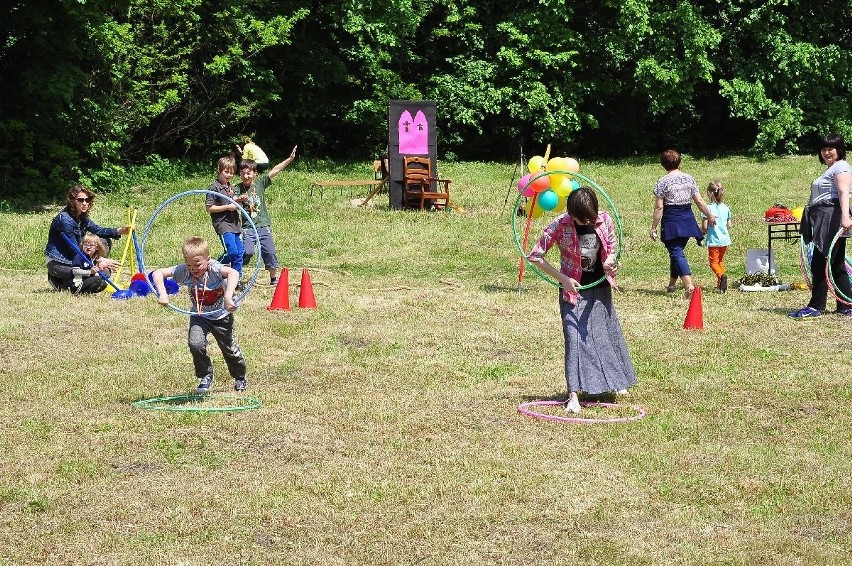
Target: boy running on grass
211, 288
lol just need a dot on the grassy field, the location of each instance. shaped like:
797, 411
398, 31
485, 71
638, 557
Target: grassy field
389, 431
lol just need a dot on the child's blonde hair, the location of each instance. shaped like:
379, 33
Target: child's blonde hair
195, 246
226, 162
716, 191
100, 248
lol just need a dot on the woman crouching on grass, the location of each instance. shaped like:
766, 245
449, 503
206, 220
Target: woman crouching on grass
596, 356
72, 223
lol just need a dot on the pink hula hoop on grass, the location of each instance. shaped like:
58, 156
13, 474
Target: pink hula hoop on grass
524, 409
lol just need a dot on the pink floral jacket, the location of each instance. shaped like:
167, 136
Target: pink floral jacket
563, 233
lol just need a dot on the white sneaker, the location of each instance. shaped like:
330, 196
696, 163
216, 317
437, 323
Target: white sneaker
621, 392
573, 406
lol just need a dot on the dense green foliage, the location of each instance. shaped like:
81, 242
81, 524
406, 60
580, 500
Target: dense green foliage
94, 86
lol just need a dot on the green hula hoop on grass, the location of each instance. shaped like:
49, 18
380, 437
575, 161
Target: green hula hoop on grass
618, 229
190, 403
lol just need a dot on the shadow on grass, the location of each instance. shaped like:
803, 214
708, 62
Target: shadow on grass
502, 288
187, 397
654, 292
608, 397
785, 312
45, 291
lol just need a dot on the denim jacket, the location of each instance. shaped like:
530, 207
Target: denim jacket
57, 249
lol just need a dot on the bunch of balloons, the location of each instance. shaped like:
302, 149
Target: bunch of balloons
548, 182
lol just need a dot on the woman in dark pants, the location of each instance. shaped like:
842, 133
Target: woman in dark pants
674, 194
826, 212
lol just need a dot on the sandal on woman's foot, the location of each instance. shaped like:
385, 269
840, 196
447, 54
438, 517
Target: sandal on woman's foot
671, 289
573, 406
687, 293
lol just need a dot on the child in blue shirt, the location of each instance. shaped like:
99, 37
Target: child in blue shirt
718, 236
225, 214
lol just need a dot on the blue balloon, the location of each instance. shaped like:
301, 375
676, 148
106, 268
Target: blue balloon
548, 200
172, 288
140, 287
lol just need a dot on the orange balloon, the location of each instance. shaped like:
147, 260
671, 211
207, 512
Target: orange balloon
573, 165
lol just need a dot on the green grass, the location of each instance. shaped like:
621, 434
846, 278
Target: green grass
389, 430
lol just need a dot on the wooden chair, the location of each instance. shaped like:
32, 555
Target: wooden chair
420, 188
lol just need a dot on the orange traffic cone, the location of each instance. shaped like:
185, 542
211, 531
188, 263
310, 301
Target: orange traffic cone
281, 298
306, 292
694, 316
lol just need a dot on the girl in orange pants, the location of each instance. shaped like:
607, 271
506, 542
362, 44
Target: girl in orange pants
718, 236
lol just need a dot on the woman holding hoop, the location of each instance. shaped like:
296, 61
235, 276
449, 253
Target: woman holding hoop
596, 356
71, 225
826, 213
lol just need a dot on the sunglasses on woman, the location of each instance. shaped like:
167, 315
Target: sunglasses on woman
83, 199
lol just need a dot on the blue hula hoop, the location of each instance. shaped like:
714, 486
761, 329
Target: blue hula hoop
162, 207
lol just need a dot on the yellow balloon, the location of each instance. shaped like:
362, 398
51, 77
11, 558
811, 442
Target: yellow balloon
561, 204
573, 164
560, 184
558, 164
797, 213
534, 211
535, 164
556, 180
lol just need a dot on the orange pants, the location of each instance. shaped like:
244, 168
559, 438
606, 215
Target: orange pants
717, 259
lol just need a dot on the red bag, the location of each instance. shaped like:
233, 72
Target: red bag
779, 213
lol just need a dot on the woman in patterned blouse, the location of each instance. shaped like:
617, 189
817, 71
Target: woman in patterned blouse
674, 194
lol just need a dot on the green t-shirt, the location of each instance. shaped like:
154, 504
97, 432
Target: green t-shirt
256, 203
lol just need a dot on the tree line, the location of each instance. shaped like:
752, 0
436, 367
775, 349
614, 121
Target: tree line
92, 87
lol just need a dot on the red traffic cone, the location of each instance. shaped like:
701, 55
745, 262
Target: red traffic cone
694, 316
306, 292
281, 298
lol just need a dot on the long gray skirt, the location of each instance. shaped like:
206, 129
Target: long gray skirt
596, 356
